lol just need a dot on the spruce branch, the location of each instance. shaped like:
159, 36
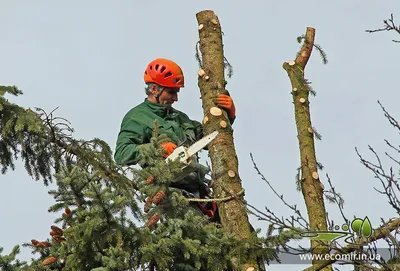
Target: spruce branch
229, 67
44, 142
318, 47
11, 90
97, 221
9, 262
198, 54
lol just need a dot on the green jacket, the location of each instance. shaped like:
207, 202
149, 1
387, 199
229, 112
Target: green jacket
137, 128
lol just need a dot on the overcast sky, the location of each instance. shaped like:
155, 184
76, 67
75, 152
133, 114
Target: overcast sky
88, 58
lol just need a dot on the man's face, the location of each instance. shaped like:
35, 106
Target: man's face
169, 96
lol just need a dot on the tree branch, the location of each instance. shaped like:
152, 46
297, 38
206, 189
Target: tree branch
389, 25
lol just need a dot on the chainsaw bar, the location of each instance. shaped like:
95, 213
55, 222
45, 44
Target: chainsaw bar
199, 145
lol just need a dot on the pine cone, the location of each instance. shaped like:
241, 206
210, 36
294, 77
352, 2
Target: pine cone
52, 233
150, 179
43, 244
67, 211
34, 242
49, 260
158, 197
153, 220
147, 204
57, 230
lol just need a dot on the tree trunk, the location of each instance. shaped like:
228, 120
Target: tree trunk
311, 185
222, 152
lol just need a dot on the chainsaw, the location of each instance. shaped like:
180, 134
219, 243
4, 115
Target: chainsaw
187, 157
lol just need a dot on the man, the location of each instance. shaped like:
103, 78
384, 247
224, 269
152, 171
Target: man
164, 79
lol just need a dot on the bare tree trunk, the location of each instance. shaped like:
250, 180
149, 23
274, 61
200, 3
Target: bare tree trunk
311, 185
222, 152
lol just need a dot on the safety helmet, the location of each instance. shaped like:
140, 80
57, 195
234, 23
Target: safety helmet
165, 73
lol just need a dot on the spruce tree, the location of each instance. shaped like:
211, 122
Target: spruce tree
183, 238
100, 225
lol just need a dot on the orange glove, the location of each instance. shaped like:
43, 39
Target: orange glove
168, 147
226, 102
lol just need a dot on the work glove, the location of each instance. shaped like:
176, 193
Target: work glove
226, 102
168, 147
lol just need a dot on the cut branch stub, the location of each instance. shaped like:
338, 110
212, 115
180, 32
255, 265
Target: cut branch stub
215, 111
201, 72
291, 62
307, 47
222, 123
201, 26
315, 175
205, 120
302, 100
231, 173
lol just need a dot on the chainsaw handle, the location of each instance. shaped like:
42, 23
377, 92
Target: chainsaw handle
179, 153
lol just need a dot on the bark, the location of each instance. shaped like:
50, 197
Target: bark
224, 161
311, 185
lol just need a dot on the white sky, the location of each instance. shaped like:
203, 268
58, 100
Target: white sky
88, 59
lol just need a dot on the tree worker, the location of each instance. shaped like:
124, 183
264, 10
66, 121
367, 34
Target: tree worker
164, 79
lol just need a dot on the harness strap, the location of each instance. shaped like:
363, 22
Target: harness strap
157, 96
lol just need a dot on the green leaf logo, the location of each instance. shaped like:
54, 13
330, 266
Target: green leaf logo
362, 227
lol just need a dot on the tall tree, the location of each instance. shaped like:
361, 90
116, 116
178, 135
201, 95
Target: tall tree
310, 183
225, 174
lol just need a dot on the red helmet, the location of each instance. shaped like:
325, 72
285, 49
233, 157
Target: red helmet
165, 73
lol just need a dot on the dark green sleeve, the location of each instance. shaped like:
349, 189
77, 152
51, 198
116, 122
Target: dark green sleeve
130, 136
198, 129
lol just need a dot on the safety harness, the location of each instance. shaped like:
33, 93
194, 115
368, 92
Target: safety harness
157, 96
209, 212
